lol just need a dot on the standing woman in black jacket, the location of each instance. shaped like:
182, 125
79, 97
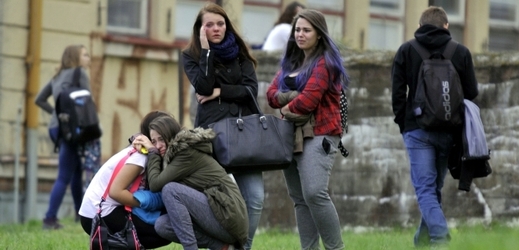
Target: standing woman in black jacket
220, 67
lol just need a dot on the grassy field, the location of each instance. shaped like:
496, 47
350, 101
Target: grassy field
497, 236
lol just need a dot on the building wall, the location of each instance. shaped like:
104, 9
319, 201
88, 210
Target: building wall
131, 76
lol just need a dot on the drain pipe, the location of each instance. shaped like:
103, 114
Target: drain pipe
16, 194
31, 115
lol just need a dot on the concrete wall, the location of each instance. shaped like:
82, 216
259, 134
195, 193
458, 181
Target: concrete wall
372, 186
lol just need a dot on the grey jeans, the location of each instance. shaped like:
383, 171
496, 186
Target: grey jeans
189, 219
307, 182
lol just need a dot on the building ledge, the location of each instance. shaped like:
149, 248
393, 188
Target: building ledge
141, 48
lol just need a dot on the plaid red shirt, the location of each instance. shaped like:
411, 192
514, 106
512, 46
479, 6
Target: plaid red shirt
316, 98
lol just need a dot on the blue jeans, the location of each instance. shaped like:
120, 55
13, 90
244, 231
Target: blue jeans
307, 182
253, 191
428, 154
69, 171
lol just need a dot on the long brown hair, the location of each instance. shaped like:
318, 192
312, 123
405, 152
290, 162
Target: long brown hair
194, 47
70, 58
289, 13
166, 126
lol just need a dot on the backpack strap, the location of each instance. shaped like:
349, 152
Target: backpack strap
75, 77
425, 54
449, 50
135, 184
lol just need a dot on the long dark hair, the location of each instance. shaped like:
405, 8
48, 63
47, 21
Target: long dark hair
289, 13
294, 58
166, 126
194, 47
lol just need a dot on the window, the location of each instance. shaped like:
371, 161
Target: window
387, 7
185, 15
504, 24
386, 24
503, 40
336, 5
504, 12
128, 16
334, 24
262, 20
333, 11
385, 35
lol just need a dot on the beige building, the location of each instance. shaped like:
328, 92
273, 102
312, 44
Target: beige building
135, 47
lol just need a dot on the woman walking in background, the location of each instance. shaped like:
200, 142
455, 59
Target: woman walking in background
220, 68
278, 37
69, 161
312, 66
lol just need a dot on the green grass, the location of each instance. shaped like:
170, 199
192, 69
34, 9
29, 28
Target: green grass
478, 237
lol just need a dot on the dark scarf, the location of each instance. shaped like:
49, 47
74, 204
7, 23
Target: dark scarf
227, 49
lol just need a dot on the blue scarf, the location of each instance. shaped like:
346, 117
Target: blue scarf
227, 49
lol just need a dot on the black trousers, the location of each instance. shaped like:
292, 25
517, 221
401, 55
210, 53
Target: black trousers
116, 221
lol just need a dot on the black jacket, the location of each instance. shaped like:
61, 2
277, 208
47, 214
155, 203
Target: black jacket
406, 66
206, 73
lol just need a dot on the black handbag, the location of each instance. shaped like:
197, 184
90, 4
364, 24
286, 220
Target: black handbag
256, 142
101, 237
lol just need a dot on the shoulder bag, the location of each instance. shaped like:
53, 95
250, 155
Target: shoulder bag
101, 237
256, 142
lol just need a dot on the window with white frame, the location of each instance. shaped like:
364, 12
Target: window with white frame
504, 25
504, 12
333, 11
185, 14
387, 7
257, 23
128, 16
385, 35
334, 24
386, 24
337, 5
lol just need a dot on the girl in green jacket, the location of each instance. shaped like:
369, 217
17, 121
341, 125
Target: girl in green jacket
197, 192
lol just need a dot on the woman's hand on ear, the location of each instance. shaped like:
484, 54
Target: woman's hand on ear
203, 38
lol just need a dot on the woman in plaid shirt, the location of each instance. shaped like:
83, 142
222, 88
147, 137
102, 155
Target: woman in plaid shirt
312, 67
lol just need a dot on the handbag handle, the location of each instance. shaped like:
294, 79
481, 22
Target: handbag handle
262, 118
134, 186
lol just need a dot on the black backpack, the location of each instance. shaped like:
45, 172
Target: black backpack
77, 114
438, 101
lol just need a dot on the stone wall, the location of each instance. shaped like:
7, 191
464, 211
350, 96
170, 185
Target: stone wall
372, 187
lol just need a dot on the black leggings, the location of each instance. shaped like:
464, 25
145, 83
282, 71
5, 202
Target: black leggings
116, 221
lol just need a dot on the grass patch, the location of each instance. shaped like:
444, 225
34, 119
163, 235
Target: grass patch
464, 237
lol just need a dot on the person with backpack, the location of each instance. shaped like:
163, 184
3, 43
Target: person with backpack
69, 161
417, 113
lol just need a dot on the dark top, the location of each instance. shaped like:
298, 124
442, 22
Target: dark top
206, 73
406, 66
